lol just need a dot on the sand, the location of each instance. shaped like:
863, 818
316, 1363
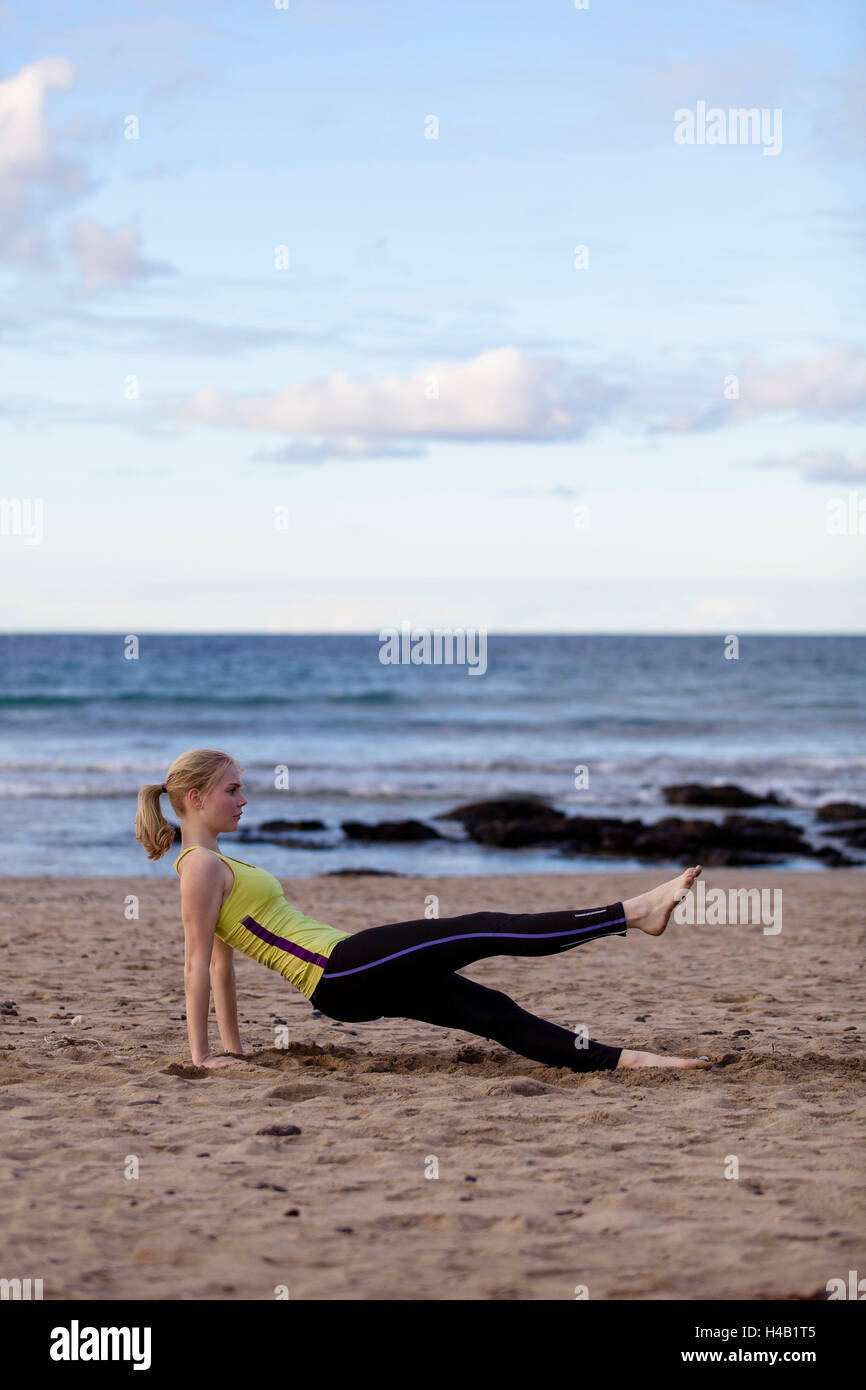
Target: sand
548, 1180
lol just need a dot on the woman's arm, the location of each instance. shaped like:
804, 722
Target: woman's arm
222, 979
201, 898
196, 983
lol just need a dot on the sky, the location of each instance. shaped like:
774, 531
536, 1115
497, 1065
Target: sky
320, 316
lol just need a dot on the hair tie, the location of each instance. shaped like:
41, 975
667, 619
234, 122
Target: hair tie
164, 787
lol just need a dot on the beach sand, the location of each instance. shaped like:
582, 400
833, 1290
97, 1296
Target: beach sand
547, 1179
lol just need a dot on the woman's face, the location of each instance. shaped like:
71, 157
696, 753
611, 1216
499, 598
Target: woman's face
223, 805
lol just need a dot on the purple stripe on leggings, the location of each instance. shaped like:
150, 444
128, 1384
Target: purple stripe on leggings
284, 944
471, 936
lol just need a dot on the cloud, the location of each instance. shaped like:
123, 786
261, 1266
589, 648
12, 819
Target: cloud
821, 465
498, 395
109, 258
36, 182
827, 387
34, 179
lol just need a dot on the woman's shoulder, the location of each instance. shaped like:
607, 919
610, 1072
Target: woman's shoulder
200, 873
185, 852
209, 860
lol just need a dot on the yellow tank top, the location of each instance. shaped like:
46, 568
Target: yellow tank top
256, 919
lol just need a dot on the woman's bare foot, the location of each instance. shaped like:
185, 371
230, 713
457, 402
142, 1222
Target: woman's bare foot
653, 1059
650, 911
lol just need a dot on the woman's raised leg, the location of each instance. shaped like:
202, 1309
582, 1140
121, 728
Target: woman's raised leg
399, 953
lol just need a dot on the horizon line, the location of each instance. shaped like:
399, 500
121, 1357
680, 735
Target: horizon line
445, 627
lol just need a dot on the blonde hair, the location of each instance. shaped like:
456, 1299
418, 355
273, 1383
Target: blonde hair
197, 769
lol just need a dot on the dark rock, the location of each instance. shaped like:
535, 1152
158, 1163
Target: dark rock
277, 837
390, 832
739, 840
841, 810
339, 873
292, 825
694, 794
750, 831
515, 833
601, 834
836, 858
511, 822
504, 808
852, 835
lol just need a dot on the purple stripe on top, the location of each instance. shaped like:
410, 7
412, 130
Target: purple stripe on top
284, 944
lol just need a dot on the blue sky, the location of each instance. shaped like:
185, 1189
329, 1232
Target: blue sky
427, 380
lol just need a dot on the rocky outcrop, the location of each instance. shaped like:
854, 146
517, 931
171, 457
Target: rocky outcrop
281, 825
695, 794
389, 831
512, 822
841, 810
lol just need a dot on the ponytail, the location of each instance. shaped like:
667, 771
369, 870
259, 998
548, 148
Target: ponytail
151, 827
197, 768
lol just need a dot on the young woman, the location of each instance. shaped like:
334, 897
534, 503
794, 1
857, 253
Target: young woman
399, 970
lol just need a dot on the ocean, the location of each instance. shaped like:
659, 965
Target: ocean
84, 727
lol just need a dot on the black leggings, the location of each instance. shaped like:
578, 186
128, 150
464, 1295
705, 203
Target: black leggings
406, 970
